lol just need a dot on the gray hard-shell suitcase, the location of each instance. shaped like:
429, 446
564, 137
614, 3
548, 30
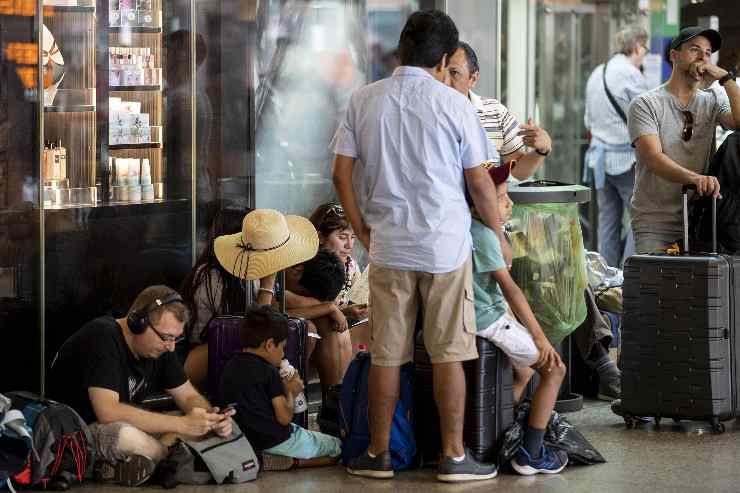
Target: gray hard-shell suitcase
679, 343
489, 406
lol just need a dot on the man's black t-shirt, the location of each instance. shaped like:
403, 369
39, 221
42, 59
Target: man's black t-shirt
97, 356
252, 383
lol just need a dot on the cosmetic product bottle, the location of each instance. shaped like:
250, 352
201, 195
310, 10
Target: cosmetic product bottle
146, 172
62, 160
147, 189
55, 161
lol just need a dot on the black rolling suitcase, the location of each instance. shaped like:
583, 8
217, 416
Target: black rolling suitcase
489, 408
679, 344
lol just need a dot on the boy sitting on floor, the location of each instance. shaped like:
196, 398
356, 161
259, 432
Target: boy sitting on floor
524, 343
264, 402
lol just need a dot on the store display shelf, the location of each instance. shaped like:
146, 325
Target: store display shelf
135, 29
102, 205
135, 88
70, 108
48, 9
145, 145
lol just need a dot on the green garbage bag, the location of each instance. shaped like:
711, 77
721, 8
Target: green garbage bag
549, 265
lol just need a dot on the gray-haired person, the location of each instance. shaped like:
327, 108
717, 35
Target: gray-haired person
610, 155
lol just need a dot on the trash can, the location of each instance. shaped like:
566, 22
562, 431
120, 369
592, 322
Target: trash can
549, 262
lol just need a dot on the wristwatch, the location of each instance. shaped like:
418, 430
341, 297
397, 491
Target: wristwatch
730, 75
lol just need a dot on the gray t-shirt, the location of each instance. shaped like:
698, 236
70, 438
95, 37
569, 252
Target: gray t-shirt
656, 203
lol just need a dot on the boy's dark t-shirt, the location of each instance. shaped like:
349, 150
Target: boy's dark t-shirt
252, 383
97, 356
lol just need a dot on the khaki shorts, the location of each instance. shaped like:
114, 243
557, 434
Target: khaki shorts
446, 301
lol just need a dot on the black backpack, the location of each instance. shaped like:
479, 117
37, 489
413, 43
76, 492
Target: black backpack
725, 166
63, 451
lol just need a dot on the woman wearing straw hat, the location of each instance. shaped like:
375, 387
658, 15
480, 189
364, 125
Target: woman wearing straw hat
268, 243
216, 284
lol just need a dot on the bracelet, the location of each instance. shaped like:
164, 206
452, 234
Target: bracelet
272, 292
543, 153
730, 75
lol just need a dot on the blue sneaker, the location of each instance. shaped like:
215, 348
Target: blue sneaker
550, 461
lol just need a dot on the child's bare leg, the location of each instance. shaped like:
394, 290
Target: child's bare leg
522, 376
543, 401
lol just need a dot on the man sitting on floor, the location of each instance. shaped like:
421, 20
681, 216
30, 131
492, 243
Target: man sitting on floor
107, 367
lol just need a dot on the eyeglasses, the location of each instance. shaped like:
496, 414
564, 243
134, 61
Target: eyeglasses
688, 126
166, 338
336, 210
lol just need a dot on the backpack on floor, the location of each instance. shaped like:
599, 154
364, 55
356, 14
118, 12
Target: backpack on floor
229, 460
62, 447
354, 414
15, 442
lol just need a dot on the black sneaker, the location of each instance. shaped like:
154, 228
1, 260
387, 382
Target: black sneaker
610, 387
133, 470
617, 409
451, 471
378, 467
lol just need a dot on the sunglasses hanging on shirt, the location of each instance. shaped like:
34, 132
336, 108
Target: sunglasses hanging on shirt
688, 126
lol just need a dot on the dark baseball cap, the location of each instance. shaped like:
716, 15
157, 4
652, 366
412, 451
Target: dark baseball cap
687, 33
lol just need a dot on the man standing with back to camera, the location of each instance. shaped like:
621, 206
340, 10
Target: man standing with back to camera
672, 129
418, 143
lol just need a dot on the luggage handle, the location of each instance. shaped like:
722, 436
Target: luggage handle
685, 193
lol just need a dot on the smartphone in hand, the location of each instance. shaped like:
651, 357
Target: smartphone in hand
228, 408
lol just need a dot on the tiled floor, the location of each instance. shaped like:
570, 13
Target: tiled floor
672, 458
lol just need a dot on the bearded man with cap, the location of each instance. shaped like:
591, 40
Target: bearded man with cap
672, 129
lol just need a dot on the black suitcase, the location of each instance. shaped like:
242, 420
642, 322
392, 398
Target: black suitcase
679, 344
489, 408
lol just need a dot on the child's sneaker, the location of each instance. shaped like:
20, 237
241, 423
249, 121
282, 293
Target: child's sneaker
550, 461
272, 462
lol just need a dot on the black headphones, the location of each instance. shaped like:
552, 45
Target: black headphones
139, 321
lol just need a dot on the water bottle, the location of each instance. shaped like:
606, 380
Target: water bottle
299, 401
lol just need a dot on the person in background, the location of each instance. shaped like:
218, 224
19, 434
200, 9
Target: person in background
508, 138
110, 365
610, 154
418, 144
672, 128
264, 401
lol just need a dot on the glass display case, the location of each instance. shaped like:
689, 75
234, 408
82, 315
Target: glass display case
126, 125
96, 168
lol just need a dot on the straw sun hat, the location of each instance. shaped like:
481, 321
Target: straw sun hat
268, 242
